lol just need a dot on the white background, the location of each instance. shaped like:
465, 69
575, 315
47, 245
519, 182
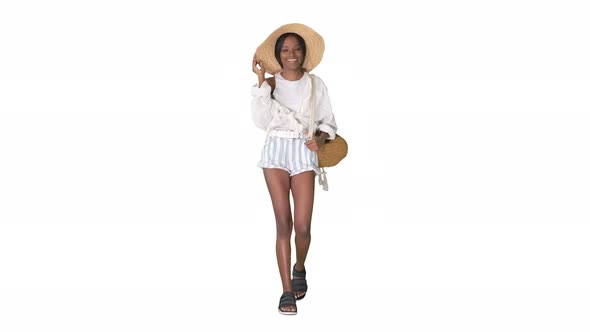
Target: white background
130, 199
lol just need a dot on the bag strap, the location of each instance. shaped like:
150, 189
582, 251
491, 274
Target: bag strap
311, 129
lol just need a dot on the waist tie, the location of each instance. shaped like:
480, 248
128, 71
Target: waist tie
284, 133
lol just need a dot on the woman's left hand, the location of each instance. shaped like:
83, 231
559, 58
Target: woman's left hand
316, 142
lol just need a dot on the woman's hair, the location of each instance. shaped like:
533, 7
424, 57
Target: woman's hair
281, 41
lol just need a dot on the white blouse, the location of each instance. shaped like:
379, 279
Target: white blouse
290, 107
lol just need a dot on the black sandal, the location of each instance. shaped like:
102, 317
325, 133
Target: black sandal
299, 283
287, 300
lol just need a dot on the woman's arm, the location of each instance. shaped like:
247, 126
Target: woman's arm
263, 107
324, 114
258, 69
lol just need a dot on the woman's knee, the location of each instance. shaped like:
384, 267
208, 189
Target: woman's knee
303, 231
284, 226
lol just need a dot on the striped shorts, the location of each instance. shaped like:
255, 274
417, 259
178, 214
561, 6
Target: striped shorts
289, 154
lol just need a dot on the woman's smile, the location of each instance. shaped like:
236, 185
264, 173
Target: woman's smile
291, 54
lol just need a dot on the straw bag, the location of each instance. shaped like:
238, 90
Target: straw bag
332, 151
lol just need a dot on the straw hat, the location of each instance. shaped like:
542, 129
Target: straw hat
314, 44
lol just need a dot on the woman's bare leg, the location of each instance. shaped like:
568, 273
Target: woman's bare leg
303, 187
278, 183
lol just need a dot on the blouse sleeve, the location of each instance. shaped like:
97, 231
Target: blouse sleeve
325, 117
268, 112
261, 105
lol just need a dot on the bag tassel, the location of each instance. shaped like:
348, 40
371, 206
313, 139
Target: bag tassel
323, 180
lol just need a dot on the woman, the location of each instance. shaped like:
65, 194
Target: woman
281, 106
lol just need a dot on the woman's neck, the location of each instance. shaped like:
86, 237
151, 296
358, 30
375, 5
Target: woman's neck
292, 75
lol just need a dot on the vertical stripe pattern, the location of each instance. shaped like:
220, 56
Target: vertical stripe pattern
289, 154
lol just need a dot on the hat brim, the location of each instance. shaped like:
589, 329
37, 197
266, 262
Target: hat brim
314, 44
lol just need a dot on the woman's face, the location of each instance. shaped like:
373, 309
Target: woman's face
291, 54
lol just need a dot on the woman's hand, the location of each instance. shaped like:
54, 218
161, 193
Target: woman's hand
258, 69
316, 142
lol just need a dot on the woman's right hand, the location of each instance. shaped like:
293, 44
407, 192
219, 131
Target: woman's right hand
258, 69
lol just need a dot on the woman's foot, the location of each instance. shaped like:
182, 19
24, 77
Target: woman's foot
299, 283
287, 304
